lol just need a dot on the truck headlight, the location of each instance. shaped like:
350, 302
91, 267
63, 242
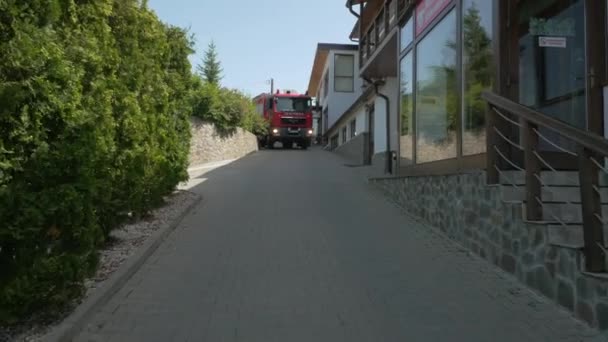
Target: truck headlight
275, 131
310, 132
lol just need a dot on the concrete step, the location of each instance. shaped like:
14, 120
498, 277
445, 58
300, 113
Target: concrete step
568, 213
551, 193
570, 236
548, 178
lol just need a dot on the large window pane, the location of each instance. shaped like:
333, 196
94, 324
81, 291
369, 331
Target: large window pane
477, 59
344, 84
552, 75
345, 65
406, 109
436, 96
344, 72
407, 33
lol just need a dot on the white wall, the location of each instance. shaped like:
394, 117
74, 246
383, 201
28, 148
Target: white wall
361, 120
390, 89
338, 102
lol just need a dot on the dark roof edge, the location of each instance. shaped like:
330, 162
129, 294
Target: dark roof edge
332, 46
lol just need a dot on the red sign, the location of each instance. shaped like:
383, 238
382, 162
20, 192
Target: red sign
426, 11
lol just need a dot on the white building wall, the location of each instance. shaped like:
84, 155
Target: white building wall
390, 89
361, 120
338, 102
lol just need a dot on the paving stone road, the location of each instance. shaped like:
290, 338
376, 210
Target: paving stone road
294, 246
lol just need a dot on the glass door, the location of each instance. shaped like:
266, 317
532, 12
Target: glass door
552, 63
552, 66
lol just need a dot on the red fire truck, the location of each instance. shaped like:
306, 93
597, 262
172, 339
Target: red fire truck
290, 119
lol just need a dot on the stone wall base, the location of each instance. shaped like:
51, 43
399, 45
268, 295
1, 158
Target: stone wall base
468, 211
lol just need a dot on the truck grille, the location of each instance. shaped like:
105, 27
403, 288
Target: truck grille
293, 121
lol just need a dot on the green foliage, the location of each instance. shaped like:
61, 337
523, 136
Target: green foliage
227, 109
93, 124
211, 69
478, 68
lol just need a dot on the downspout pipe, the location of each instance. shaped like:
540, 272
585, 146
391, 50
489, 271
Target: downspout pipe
350, 8
388, 165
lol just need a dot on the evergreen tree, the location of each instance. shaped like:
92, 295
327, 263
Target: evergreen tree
211, 69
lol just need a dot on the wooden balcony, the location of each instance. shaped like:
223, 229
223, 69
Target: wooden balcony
378, 20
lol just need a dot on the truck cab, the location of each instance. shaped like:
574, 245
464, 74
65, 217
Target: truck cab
290, 119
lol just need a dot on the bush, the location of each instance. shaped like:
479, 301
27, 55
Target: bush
93, 125
227, 109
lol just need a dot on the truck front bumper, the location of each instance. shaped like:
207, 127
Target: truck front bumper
291, 134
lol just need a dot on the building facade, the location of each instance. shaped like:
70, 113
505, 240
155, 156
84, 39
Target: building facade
334, 81
490, 117
547, 55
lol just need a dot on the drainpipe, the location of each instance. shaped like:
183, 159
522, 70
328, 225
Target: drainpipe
388, 169
350, 8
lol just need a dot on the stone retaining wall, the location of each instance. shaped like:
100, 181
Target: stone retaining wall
475, 215
208, 145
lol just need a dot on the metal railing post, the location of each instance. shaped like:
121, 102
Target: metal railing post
595, 260
491, 155
534, 209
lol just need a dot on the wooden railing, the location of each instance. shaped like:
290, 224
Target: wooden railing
382, 24
504, 116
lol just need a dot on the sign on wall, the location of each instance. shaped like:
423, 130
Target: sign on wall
555, 42
426, 11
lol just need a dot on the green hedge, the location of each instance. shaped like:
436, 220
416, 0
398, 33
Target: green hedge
226, 108
94, 106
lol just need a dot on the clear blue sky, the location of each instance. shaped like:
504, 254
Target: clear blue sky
259, 39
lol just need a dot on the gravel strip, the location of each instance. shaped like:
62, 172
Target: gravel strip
124, 242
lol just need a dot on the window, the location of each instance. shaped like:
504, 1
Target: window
381, 25
407, 34
406, 109
259, 107
436, 95
344, 73
293, 104
392, 11
477, 72
353, 128
343, 134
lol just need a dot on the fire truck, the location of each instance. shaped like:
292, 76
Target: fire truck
289, 115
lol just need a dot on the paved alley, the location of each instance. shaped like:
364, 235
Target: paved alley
294, 246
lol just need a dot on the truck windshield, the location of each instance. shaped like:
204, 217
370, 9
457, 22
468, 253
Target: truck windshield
293, 104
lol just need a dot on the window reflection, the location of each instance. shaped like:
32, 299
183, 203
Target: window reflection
407, 34
436, 95
477, 72
406, 109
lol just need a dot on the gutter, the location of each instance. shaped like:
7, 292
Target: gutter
350, 8
388, 169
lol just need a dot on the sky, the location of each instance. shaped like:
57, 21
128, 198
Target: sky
260, 39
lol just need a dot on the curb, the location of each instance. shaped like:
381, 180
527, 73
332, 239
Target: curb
75, 322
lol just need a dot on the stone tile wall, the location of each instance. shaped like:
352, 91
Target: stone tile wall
474, 214
208, 145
